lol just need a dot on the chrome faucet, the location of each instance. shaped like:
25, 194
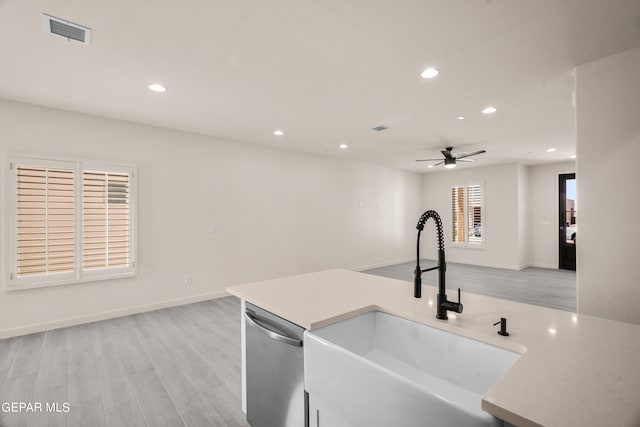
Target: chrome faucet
442, 304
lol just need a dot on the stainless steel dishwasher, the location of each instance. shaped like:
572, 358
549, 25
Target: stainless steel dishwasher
275, 369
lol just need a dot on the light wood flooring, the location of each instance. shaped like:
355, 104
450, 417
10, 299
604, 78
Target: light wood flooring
173, 367
539, 286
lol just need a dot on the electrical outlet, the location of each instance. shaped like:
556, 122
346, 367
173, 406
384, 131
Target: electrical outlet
187, 279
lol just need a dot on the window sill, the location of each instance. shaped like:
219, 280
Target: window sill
23, 285
467, 245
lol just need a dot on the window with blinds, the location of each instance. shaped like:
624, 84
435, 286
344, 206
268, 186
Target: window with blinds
457, 214
467, 213
474, 214
45, 228
70, 222
106, 228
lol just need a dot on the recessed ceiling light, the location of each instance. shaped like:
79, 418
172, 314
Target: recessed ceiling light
573, 157
551, 150
343, 146
278, 132
429, 73
157, 87
489, 110
430, 166
460, 117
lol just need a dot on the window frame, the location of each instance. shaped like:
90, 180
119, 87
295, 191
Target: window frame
467, 244
14, 283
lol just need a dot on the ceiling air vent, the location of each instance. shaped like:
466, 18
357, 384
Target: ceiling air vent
66, 29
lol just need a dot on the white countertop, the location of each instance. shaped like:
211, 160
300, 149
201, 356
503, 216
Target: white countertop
575, 370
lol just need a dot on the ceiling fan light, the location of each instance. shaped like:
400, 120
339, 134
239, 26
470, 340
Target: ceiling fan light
450, 162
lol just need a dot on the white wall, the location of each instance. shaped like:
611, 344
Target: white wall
277, 213
502, 216
608, 129
524, 251
542, 190
521, 214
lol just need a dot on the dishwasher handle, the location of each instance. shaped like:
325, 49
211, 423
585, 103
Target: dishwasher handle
271, 334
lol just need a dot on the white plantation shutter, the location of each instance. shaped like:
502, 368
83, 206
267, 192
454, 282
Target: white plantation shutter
45, 221
457, 214
106, 234
467, 213
69, 223
474, 214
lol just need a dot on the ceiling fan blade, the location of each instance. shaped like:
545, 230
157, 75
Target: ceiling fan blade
465, 160
438, 164
428, 160
462, 156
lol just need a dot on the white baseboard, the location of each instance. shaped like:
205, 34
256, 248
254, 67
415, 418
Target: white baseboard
550, 266
382, 264
72, 321
502, 266
490, 265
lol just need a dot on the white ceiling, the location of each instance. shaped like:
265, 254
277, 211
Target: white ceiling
325, 71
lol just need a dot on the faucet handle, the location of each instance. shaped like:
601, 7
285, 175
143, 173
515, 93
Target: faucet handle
455, 306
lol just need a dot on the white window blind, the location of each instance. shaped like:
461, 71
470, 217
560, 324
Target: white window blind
45, 226
467, 215
474, 214
106, 220
69, 222
457, 214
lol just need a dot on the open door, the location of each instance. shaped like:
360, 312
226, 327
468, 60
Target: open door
568, 226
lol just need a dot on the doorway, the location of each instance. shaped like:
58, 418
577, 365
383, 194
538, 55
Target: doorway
567, 221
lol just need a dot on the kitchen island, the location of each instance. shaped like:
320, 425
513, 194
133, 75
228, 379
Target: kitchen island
574, 370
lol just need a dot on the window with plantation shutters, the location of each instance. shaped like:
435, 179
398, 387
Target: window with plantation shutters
45, 221
69, 222
457, 214
474, 214
467, 215
106, 220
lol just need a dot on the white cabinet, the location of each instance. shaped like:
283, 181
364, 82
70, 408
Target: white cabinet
321, 416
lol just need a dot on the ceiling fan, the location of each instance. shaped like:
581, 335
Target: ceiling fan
450, 159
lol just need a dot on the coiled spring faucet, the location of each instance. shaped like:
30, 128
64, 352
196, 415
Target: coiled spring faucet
443, 305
